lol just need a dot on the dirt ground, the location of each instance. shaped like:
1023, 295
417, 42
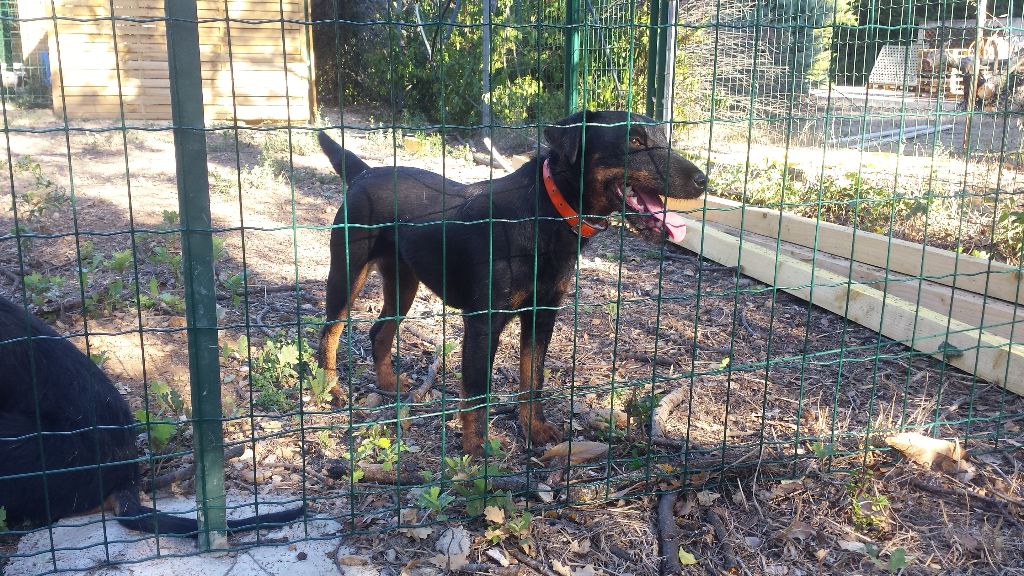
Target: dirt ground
785, 406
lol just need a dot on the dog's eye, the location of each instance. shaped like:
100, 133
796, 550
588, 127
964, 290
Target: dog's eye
637, 141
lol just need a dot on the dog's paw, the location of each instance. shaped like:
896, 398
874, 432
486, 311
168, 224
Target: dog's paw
339, 399
542, 433
389, 383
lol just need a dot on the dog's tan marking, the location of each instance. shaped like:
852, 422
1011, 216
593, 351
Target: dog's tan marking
531, 381
329, 337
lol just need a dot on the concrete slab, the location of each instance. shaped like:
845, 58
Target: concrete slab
87, 544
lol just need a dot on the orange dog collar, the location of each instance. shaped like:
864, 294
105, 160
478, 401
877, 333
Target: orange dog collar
578, 224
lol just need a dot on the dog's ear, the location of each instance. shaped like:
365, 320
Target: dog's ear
566, 136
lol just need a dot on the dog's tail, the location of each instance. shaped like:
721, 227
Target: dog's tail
132, 514
345, 163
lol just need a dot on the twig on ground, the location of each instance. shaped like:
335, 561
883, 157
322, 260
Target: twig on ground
705, 267
668, 532
261, 323
668, 403
169, 478
722, 535
492, 569
307, 470
532, 564
992, 504
746, 325
420, 392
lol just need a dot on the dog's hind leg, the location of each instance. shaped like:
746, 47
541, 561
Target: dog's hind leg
537, 327
340, 295
399, 294
479, 345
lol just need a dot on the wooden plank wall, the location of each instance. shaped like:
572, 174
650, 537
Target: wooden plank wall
257, 70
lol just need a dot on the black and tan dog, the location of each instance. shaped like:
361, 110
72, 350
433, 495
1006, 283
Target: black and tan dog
67, 437
496, 249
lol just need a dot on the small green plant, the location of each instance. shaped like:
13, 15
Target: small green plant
219, 252
325, 440
161, 255
238, 349
25, 236
432, 500
505, 522
170, 218
640, 408
42, 287
157, 297
278, 369
468, 481
822, 450
868, 509
108, 298
3, 519
86, 252
235, 286
160, 430
1010, 225
166, 406
120, 261
897, 558
43, 196
99, 358
377, 447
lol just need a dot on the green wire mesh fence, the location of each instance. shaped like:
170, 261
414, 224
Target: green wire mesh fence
853, 274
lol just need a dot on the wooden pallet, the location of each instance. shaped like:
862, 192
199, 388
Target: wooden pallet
959, 309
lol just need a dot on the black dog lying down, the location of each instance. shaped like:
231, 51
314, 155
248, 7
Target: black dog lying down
496, 249
87, 430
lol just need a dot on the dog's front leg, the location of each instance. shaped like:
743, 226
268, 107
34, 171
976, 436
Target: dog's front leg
537, 327
479, 345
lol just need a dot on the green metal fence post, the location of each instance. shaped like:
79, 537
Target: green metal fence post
660, 58
197, 264
572, 55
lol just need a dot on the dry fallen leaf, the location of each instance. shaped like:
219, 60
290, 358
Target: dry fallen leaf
560, 568
352, 560
494, 514
797, 530
967, 541
936, 453
705, 498
684, 506
787, 487
408, 516
497, 555
587, 570
686, 559
579, 546
544, 493
852, 546
601, 418
581, 451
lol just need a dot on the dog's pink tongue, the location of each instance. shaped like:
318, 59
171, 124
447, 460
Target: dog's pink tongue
674, 224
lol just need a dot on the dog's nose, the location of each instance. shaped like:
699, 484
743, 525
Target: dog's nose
700, 180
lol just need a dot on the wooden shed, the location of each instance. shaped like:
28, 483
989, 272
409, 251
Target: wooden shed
103, 55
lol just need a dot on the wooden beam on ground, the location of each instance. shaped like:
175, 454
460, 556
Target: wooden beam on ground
963, 345
994, 279
991, 315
